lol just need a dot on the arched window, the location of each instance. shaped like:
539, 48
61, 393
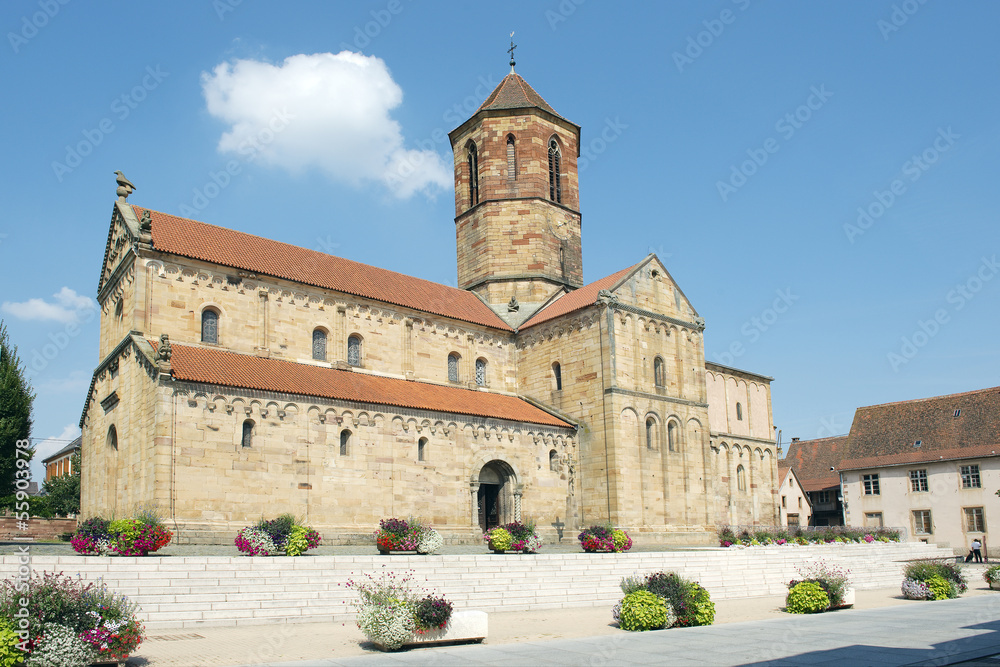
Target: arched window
555, 166
511, 159
481, 372
354, 350
209, 326
659, 375
247, 433
112, 438
650, 433
422, 449
553, 461
557, 373
345, 441
319, 345
672, 436
473, 160
739, 412
453, 367
741, 478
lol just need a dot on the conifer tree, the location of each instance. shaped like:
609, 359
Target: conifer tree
15, 410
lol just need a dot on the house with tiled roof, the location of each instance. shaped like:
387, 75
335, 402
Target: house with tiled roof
794, 507
241, 377
61, 463
817, 465
929, 466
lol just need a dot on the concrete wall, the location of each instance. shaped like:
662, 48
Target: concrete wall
187, 592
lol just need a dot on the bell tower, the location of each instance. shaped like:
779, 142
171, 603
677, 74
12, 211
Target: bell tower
517, 217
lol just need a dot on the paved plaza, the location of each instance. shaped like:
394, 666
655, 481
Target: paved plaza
934, 633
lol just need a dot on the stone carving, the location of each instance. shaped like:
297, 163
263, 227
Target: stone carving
163, 352
513, 306
146, 224
125, 187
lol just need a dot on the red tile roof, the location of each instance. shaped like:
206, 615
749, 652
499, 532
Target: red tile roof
231, 369
888, 433
198, 240
515, 93
575, 300
812, 460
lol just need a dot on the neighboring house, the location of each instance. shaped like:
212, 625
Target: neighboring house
61, 463
816, 464
242, 377
794, 508
928, 465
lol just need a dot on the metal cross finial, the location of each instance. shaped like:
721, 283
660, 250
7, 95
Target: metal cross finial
511, 51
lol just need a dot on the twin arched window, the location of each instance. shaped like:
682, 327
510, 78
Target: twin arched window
319, 345
210, 326
473, 160
555, 167
481, 372
672, 436
453, 360
354, 350
659, 372
650, 433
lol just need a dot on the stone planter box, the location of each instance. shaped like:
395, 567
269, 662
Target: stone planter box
395, 552
464, 626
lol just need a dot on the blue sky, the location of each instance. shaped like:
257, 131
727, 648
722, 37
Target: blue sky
819, 178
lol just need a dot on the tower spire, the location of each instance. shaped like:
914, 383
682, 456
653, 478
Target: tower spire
511, 51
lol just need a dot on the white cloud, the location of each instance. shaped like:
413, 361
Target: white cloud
66, 308
323, 110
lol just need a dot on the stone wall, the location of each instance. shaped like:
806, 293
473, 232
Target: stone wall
38, 528
187, 592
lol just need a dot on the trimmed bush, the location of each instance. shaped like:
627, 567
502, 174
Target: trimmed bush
940, 588
923, 570
642, 610
271, 538
700, 608
807, 598
687, 603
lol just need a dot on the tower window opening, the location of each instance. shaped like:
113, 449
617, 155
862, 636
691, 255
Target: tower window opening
473, 160
555, 166
511, 159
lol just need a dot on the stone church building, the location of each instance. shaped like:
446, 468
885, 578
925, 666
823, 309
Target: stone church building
241, 377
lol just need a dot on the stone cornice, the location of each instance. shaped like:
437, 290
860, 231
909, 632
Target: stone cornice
543, 200
695, 326
654, 397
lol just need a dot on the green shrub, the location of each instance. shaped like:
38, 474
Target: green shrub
297, 543
700, 608
672, 588
807, 598
500, 539
941, 588
632, 583
642, 610
10, 654
992, 574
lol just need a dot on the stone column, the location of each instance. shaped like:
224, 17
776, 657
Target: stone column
340, 334
518, 492
262, 296
474, 491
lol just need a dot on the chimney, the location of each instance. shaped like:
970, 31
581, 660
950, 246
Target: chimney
795, 439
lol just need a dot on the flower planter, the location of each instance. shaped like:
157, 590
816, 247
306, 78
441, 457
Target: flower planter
464, 626
995, 585
398, 552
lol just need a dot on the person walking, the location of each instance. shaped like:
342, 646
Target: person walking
977, 550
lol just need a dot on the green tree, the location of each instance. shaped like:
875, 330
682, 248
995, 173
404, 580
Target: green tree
16, 397
63, 492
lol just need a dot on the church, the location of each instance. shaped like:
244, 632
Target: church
241, 377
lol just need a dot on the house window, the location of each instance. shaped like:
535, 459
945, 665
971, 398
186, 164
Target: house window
975, 522
783, 502
473, 160
209, 326
800, 502
557, 373
247, 440
422, 449
555, 158
453, 367
354, 350
481, 372
319, 345
650, 433
922, 522
739, 412
793, 520
658, 375
741, 478
511, 159
345, 442
553, 461
871, 485
958, 412
823, 497
970, 477
873, 519
918, 480
112, 439
672, 436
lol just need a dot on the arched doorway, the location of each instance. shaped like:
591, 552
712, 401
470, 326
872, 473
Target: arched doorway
495, 497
